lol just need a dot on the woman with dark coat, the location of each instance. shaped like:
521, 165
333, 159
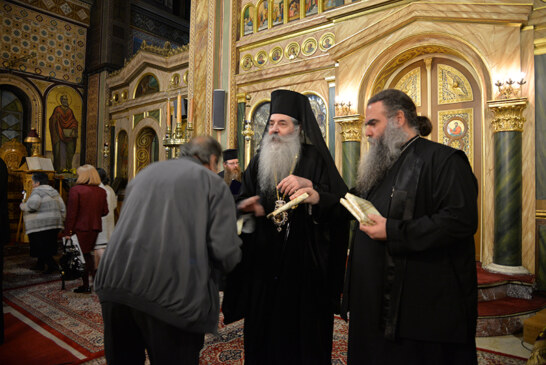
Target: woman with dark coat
86, 205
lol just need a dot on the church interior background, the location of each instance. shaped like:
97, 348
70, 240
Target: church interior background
138, 78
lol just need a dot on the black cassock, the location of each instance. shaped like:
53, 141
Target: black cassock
415, 292
288, 282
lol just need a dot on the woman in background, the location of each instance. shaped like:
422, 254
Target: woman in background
108, 221
86, 205
44, 214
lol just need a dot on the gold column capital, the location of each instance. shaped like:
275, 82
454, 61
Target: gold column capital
508, 114
241, 98
351, 127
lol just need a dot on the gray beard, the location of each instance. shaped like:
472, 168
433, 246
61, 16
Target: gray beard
382, 154
276, 159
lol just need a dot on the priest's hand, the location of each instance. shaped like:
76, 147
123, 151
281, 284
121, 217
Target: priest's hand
313, 198
252, 205
291, 183
377, 231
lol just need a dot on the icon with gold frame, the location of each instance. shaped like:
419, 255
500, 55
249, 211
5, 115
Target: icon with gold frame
309, 46
292, 50
260, 59
276, 54
246, 62
327, 40
175, 80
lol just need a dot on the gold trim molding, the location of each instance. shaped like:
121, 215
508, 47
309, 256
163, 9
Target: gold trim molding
508, 114
541, 214
351, 127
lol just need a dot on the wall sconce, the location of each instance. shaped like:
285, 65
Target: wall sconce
106, 150
34, 141
343, 109
507, 89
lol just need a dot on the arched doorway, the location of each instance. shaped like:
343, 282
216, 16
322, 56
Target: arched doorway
146, 149
444, 88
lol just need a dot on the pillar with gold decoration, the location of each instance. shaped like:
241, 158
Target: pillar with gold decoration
507, 127
350, 127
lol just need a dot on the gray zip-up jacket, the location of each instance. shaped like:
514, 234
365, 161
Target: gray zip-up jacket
176, 229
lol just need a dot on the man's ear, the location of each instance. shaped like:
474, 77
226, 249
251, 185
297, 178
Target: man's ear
400, 118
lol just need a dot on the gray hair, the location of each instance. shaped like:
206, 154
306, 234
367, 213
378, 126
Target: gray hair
201, 148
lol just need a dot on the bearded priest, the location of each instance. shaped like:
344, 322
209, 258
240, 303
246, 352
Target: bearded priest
288, 284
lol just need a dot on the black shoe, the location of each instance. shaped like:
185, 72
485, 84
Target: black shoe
82, 289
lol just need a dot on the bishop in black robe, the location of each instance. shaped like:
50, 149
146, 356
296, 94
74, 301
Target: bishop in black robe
289, 282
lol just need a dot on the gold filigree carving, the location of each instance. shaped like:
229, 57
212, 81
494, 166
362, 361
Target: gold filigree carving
351, 127
410, 83
508, 115
453, 86
393, 65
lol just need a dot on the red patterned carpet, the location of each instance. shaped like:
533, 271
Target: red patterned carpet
74, 323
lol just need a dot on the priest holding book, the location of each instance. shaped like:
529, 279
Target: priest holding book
288, 284
411, 286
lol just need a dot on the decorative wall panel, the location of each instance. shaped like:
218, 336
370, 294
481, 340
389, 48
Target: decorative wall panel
410, 83
455, 129
453, 87
40, 44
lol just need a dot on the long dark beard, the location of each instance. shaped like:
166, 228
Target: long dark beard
382, 154
277, 159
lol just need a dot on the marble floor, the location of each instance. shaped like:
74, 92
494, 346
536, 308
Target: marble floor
511, 344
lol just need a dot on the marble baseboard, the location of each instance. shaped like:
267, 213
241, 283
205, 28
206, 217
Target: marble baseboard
500, 326
513, 290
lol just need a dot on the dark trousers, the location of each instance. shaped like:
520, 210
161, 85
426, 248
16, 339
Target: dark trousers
43, 245
128, 331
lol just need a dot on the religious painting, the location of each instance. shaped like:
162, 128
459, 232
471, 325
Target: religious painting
63, 127
175, 80
309, 46
276, 54
147, 85
277, 13
326, 41
11, 117
247, 25
263, 15
260, 117
293, 10
292, 50
246, 62
122, 155
311, 7
260, 59
146, 149
321, 113
330, 4
455, 130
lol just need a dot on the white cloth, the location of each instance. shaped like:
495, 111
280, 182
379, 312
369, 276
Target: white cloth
108, 220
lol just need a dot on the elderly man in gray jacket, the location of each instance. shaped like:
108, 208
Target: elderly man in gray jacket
156, 283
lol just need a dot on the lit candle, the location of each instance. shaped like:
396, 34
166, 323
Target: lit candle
168, 113
179, 109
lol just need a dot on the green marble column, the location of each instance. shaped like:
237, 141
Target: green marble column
351, 135
508, 200
507, 128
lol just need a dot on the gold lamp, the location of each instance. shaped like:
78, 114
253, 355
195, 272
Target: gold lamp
34, 140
